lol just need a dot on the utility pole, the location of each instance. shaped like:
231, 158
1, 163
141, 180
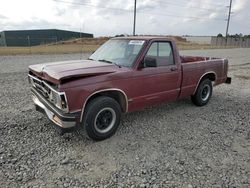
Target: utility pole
134, 18
229, 16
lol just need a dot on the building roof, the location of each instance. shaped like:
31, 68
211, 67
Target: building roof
43, 30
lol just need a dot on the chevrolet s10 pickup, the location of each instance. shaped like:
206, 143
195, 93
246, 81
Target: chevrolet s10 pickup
123, 75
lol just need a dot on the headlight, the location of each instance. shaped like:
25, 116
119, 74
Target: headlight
59, 99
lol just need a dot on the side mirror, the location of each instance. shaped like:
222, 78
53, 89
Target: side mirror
150, 62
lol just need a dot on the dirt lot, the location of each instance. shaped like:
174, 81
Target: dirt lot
172, 145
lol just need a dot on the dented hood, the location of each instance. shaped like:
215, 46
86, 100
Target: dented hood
55, 72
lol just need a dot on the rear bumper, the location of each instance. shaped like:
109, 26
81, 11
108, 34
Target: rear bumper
228, 80
66, 121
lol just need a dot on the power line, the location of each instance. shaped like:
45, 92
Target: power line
189, 17
91, 5
139, 12
184, 6
203, 3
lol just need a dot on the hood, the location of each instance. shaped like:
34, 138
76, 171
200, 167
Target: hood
55, 72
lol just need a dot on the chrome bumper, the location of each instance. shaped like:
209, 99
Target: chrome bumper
65, 121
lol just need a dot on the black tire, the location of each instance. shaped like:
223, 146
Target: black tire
203, 93
100, 112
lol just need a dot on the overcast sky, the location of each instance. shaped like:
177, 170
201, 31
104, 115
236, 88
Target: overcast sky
110, 17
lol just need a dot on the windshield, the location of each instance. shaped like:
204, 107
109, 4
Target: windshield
121, 52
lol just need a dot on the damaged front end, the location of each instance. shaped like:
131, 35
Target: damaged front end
52, 103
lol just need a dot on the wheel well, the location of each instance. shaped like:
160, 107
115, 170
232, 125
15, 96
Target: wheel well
211, 76
115, 94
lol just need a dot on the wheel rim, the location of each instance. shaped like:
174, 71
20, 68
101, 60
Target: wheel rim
105, 120
205, 93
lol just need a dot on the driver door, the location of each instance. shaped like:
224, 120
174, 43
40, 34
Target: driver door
156, 84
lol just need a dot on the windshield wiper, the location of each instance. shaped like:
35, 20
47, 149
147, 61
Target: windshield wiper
107, 61
90, 59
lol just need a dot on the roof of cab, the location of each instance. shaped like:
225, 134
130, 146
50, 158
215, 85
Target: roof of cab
144, 38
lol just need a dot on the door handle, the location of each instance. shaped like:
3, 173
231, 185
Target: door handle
173, 68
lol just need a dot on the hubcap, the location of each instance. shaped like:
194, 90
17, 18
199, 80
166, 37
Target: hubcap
105, 120
205, 93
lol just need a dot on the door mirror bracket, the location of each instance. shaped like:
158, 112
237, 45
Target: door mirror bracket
150, 62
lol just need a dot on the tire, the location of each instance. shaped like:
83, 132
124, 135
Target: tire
102, 118
203, 93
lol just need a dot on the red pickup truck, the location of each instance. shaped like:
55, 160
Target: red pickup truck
123, 75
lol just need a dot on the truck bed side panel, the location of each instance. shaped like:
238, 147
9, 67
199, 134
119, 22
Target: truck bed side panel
194, 71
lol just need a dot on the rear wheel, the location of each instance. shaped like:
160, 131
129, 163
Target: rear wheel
102, 118
203, 93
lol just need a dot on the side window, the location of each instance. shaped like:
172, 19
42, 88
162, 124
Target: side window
165, 49
162, 52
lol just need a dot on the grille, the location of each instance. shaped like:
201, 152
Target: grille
49, 92
40, 86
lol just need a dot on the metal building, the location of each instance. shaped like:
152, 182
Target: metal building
37, 37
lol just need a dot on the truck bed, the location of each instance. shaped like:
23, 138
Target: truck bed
189, 59
194, 67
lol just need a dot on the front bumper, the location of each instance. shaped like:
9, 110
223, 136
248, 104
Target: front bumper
65, 121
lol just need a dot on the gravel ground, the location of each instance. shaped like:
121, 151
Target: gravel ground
172, 145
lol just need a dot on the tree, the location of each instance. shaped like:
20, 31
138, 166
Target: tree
219, 35
121, 35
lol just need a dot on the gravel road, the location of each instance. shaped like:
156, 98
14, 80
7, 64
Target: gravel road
172, 145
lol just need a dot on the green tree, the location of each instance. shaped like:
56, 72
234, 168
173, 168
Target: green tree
219, 35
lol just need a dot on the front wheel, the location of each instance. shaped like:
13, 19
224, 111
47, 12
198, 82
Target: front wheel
203, 93
102, 118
